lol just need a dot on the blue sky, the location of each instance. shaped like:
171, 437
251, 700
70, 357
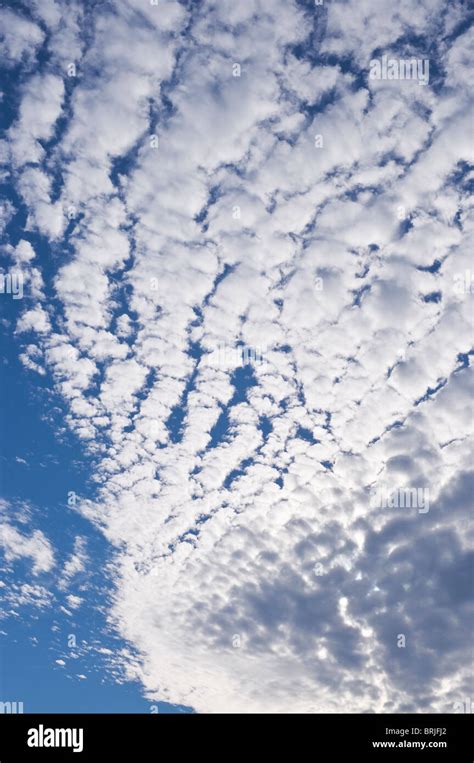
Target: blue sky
236, 465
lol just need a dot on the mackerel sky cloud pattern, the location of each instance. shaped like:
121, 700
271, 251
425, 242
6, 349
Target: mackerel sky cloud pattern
248, 285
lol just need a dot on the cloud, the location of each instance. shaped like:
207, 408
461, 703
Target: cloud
17, 544
74, 565
237, 181
20, 38
39, 110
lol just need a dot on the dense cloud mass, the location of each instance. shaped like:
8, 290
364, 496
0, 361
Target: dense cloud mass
256, 307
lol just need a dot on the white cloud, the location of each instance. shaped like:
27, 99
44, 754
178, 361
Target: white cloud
40, 108
74, 565
20, 38
238, 228
35, 546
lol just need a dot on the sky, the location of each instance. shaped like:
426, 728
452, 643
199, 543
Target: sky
236, 289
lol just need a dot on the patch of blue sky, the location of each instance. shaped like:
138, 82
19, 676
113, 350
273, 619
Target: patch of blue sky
305, 434
433, 296
433, 268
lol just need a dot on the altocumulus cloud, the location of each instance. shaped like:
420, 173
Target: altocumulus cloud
227, 175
